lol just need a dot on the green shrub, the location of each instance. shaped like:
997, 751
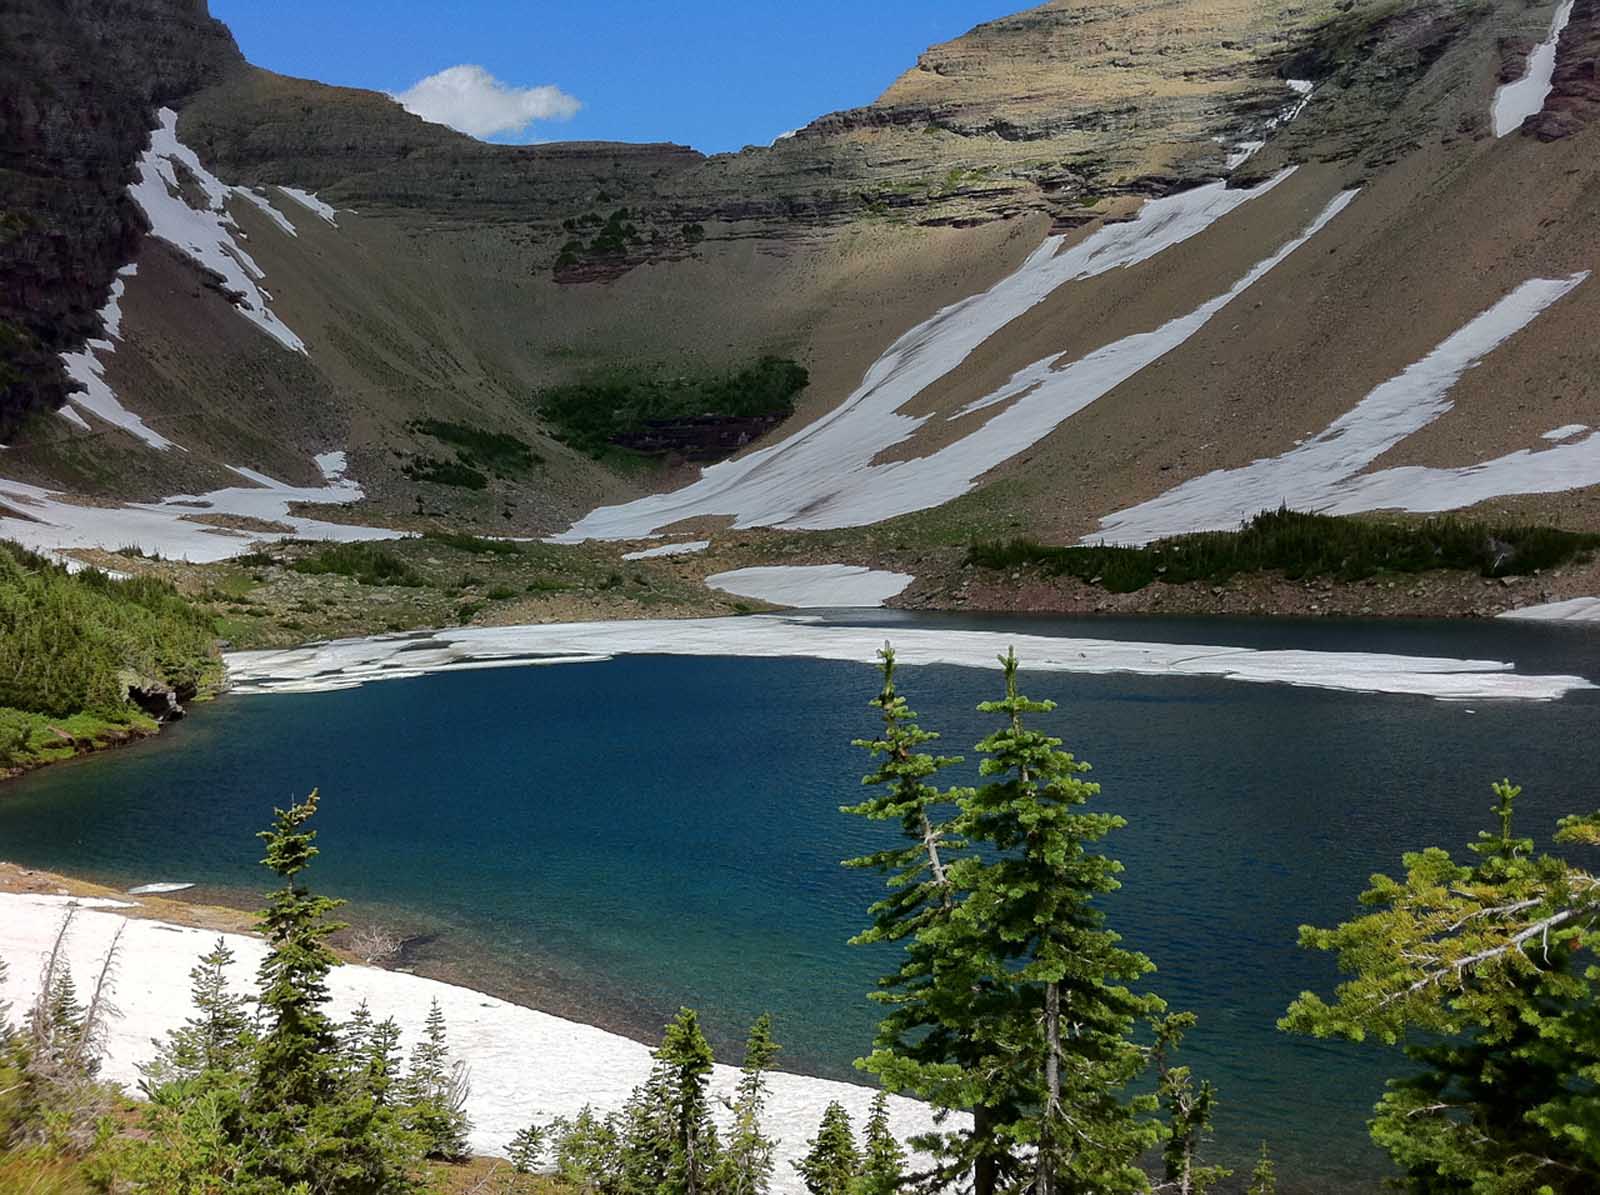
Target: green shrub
72, 643
474, 544
1300, 545
367, 563
477, 448
451, 473
592, 413
500, 593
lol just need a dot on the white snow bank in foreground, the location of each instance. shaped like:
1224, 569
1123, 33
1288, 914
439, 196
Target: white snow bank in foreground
1325, 472
86, 368
822, 476
813, 585
688, 548
347, 663
1581, 609
526, 1065
1515, 102
45, 523
208, 234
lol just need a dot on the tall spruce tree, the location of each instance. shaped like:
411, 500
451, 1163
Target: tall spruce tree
927, 1043
1487, 975
1189, 1108
745, 1167
832, 1163
1062, 1035
687, 1060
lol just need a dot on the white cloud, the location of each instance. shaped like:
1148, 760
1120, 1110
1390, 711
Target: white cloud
471, 100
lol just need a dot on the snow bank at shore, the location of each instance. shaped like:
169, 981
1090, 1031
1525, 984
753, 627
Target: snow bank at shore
526, 1065
817, 586
347, 663
1579, 609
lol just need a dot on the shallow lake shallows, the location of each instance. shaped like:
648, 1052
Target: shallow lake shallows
612, 840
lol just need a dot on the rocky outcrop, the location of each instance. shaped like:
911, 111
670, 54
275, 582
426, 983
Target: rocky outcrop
1574, 101
80, 81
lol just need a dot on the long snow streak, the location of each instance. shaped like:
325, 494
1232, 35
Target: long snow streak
87, 369
1515, 102
823, 476
208, 234
1325, 473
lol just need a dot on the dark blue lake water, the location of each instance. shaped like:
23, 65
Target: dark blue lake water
611, 841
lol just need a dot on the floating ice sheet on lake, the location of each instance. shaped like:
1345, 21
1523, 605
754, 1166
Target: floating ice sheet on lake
822, 476
525, 1065
1516, 101
345, 663
813, 586
1325, 474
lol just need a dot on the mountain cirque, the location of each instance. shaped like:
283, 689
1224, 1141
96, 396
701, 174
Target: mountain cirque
444, 285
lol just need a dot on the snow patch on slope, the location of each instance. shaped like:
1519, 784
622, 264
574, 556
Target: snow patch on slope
1325, 472
311, 203
208, 235
525, 1065
813, 586
1515, 102
86, 368
687, 548
46, 523
347, 663
822, 476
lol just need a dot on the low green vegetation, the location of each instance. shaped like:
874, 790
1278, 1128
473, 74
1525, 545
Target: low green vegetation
474, 544
439, 472
75, 649
1300, 545
600, 411
366, 563
476, 448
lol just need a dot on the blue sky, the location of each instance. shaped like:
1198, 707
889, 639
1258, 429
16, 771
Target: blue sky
714, 74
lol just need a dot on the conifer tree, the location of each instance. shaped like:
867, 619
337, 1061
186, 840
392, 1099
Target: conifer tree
927, 1042
1189, 1109
883, 1161
527, 1149
1264, 1178
435, 1092
588, 1152
745, 1167
1062, 1028
687, 1059
1489, 973
216, 1040
831, 1164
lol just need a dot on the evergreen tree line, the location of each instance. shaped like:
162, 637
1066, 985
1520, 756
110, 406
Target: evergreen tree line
1012, 1002
75, 643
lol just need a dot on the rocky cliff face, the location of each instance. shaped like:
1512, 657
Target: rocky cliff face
79, 84
1575, 92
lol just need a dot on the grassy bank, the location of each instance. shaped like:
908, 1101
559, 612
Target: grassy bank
80, 652
1301, 546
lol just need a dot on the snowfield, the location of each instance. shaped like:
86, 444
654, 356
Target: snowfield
525, 1065
346, 663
